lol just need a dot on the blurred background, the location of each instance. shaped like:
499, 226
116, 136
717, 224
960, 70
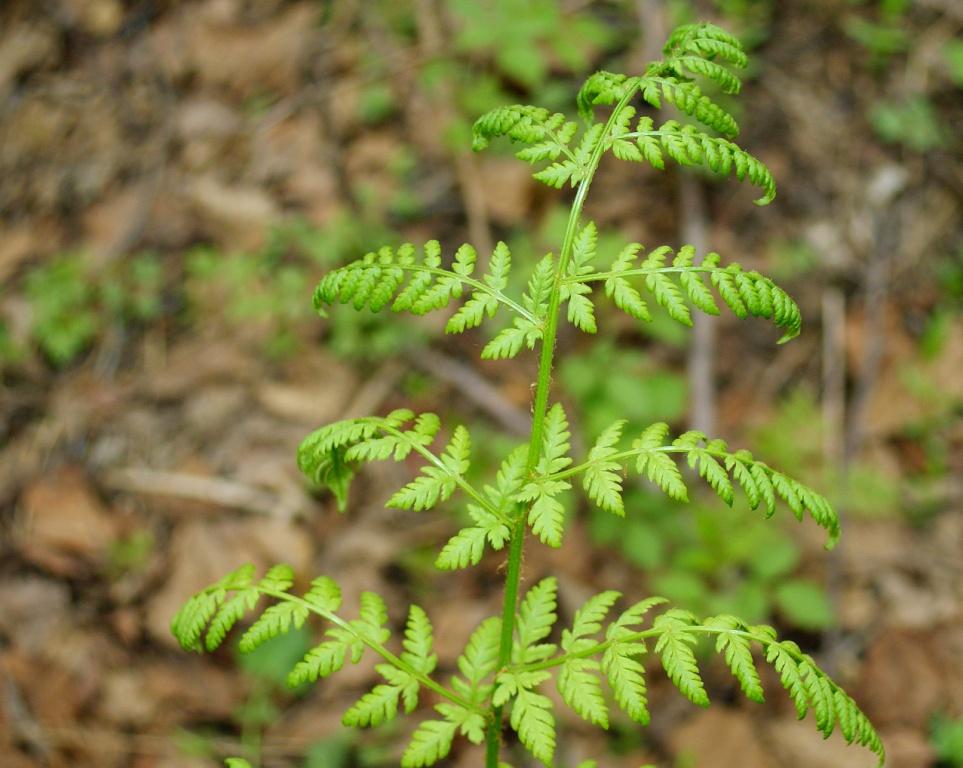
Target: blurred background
175, 177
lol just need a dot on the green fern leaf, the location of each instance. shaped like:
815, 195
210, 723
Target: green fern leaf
785, 665
603, 480
558, 174
580, 688
479, 660
430, 743
675, 648
737, 651
581, 310
713, 473
659, 467
378, 706
276, 620
324, 594
509, 341
602, 88
463, 549
418, 641
665, 291
626, 677
437, 483
193, 617
692, 283
621, 291
228, 615
279, 578
470, 724
546, 515
468, 545
373, 614
588, 619
532, 719
536, 617
555, 445
324, 659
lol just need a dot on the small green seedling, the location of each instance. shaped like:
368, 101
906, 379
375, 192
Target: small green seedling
509, 660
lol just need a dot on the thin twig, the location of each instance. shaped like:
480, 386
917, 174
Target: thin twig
211, 490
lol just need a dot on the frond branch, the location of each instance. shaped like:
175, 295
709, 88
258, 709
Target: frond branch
436, 461
476, 285
828, 521
377, 647
842, 710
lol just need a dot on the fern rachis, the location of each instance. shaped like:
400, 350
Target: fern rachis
510, 660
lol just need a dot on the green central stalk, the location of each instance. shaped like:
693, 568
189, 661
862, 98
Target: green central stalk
540, 409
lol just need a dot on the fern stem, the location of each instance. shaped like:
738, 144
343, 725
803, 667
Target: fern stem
595, 276
539, 411
576, 469
378, 648
467, 487
594, 650
478, 285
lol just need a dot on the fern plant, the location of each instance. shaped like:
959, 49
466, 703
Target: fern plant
510, 660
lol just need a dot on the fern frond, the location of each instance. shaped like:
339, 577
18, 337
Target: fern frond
703, 50
380, 705
548, 135
204, 609
580, 688
578, 681
721, 468
491, 525
689, 146
233, 609
602, 88
324, 594
603, 477
217, 608
525, 124
588, 619
581, 310
659, 467
430, 743
688, 98
626, 677
339, 447
736, 646
398, 280
706, 40
438, 481
546, 514
418, 641
324, 659
479, 661
484, 300
555, 445
531, 714
276, 620
745, 293
676, 634
675, 649
526, 330
536, 617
